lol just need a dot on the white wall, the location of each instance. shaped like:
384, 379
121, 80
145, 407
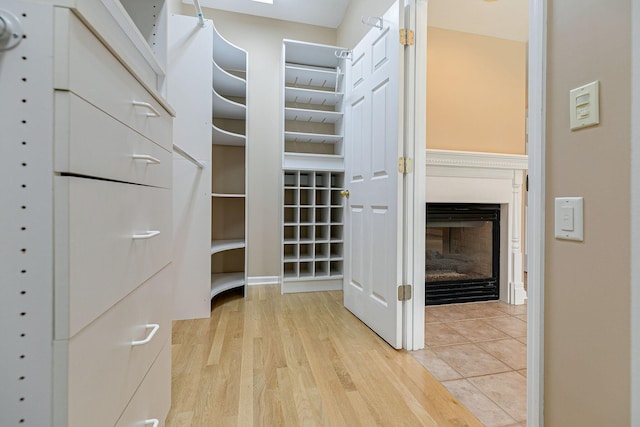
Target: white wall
262, 39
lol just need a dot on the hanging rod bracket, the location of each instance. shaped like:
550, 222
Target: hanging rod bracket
343, 54
373, 21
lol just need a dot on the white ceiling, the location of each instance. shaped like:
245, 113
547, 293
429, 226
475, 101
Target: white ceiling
507, 19
326, 13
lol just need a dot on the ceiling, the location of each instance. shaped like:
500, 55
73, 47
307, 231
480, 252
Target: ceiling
507, 19
326, 13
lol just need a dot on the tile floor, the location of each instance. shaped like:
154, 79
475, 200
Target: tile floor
479, 352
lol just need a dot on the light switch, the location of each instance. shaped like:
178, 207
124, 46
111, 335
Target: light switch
569, 218
566, 223
584, 105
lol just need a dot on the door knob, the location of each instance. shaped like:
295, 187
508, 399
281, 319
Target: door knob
345, 193
10, 30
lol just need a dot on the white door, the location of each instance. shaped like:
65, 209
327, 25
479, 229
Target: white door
374, 141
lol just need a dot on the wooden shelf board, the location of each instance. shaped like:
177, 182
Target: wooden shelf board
223, 137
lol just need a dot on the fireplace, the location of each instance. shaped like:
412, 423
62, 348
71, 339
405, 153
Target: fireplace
462, 253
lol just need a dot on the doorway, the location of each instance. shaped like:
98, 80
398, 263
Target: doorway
534, 72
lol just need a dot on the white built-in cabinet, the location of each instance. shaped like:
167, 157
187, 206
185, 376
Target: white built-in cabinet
86, 191
313, 167
228, 166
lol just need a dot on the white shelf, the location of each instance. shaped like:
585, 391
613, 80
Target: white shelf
227, 84
223, 137
315, 116
298, 75
227, 55
312, 96
226, 245
228, 196
319, 138
311, 53
224, 108
221, 282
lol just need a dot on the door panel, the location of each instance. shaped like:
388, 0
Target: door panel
374, 221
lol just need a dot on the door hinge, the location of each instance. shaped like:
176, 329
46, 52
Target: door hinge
407, 37
404, 292
405, 165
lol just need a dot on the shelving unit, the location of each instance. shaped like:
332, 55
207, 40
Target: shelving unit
228, 163
313, 168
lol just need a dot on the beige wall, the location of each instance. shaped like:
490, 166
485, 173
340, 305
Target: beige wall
262, 38
476, 92
352, 29
587, 284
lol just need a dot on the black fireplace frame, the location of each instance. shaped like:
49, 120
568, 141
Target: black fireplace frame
467, 290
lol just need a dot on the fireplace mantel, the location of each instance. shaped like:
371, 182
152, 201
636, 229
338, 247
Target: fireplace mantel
475, 177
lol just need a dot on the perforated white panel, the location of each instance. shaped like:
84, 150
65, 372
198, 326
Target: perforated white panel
26, 252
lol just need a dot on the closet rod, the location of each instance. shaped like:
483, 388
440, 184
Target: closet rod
188, 156
196, 3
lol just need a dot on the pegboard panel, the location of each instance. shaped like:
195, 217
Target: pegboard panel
26, 219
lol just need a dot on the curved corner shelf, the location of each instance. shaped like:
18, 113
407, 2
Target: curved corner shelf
228, 55
226, 245
312, 96
224, 108
318, 138
221, 282
314, 116
227, 84
223, 137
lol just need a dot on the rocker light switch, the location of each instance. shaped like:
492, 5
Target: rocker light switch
584, 106
568, 218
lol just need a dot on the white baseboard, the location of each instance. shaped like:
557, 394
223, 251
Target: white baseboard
263, 280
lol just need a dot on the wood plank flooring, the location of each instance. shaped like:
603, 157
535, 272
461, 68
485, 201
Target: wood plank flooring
298, 360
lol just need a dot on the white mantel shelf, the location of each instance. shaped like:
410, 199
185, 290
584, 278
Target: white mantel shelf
475, 177
474, 160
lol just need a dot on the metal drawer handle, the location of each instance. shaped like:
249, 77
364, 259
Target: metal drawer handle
147, 235
153, 113
150, 159
154, 329
153, 422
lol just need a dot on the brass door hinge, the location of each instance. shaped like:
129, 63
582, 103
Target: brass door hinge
405, 165
404, 292
407, 37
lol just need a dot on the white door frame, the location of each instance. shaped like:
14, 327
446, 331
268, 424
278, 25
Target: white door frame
536, 224
414, 309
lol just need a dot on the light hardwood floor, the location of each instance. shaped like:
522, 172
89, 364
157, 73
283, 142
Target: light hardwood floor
298, 359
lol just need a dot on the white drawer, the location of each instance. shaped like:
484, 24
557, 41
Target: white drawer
83, 65
103, 368
92, 143
109, 238
152, 401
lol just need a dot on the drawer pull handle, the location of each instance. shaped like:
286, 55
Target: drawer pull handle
150, 159
147, 235
153, 113
154, 328
152, 422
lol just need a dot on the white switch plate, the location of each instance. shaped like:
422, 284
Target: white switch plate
569, 218
584, 105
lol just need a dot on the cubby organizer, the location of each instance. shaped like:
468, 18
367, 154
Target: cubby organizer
228, 161
313, 229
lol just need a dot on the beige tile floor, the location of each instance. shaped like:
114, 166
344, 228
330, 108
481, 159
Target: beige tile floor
479, 352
